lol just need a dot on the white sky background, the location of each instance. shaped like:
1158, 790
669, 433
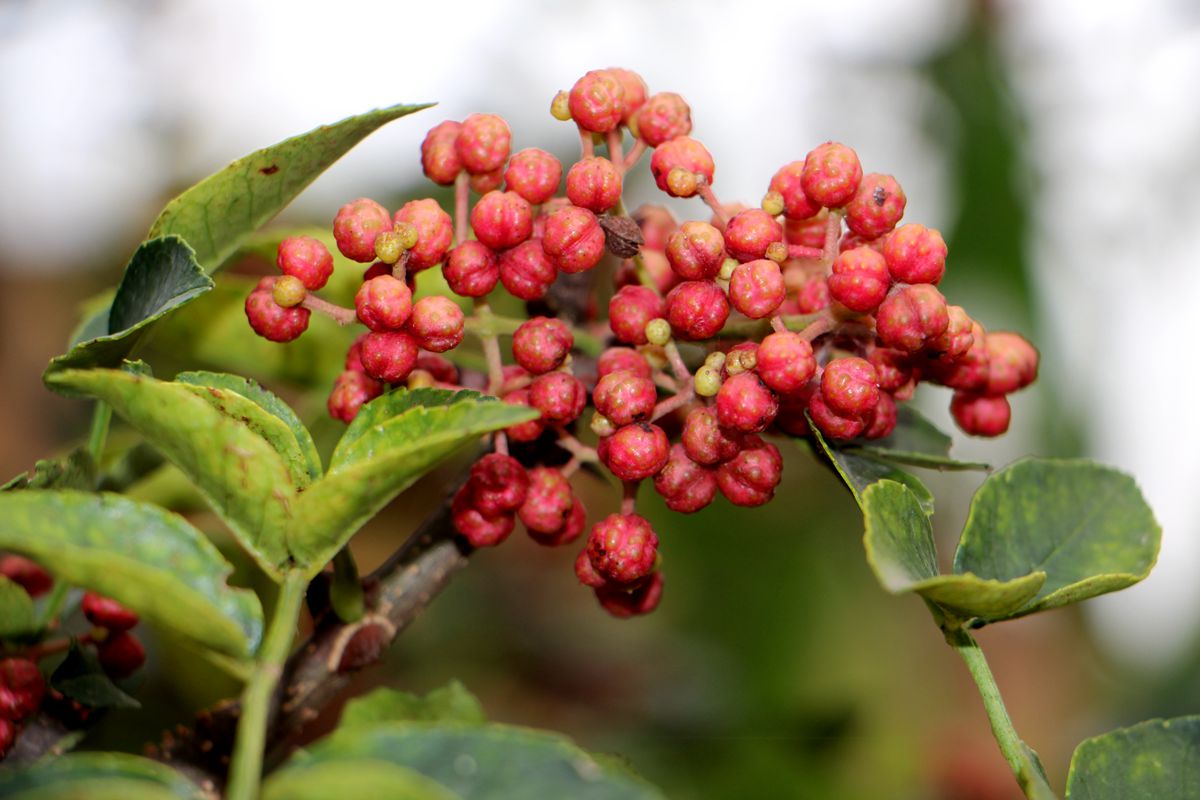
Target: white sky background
89, 90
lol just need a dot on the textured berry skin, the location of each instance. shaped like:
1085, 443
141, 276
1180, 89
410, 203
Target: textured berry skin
750, 478
849, 386
502, 220
389, 356
893, 368
523, 431
351, 390
912, 316
435, 231
437, 323
594, 184
958, 337
796, 205
636, 451
1012, 363
104, 612
306, 259
860, 279
757, 289
685, 485
682, 152
586, 573
485, 182
832, 424
526, 271
559, 396
624, 397
479, 530
745, 404
541, 344
882, 420
813, 295
439, 153
375, 270
597, 101
534, 174
28, 574
807, 232
970, 371
696, 251
383, 303
980, 415
704, 441
915, 254
876, 207
573, 239
355, 227
121, 655
25, 688
498, 484
622, 358
630, 309
665, 116
792, 407
271, 320
8, 736
472, 269
750, 233
831, 174
483, 143
697, 309
785, 362
633, 91
623, 548
548, 503
624, 603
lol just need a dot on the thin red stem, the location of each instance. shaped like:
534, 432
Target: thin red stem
807, 253
576, 448
615, 154
491, 352
639, 148
400, 268
833, 232
777, 324
462, 198
817, 328
706, 194
500, 443
673, 403
629, 497
339, 314
586, 148
676, 361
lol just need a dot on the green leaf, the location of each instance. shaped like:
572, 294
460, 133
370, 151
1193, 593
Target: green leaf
298, 449
1085, 525
76, 471
915, 441
80, 677
450, 703
238, 470
1153, 760
900, 550
217, 213
858, 470
353, 777
17, 614
497, 762
97, 776
401, 437
162, 276
146, 558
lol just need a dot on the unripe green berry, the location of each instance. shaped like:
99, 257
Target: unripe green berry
772, 203
777, 252
420, 379
602, 426
658, 331
681, 183
708, 381
727, 268
560, 107
388, 248
289, 291
716, 360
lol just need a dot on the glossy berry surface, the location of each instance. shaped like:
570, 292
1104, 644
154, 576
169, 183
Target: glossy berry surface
306, 259
622, 548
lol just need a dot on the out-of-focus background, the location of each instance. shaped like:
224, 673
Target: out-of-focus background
1055, 144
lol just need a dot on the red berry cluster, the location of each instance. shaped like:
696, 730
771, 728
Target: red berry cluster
813, 306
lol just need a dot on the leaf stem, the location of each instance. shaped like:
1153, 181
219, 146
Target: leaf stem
245, 769
346, 592
101, 416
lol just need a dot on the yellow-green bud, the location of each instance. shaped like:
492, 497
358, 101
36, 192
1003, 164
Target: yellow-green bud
716, 360
658, 331
288, 291
420, 379
772, 203
408, 234
602, 426
708, 381
727, 268
681, 182
388, 248
777, 252
560, 107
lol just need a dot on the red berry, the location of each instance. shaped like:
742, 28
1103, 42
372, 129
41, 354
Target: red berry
757, 289
785, 362
915, 254
8, 736
534, 174
750, 478
105, 612
813, 295
882, 420
306, 259
350, 391
526, 271
876, 207
750, 233
435, 231
1012, 363
625, 603
479, 530
502, 219
893, 368
121, 655
472, 269
911, 317
683, 153
831, 174
389, 356
439, 153
356, 225
377, 269
498, 484
696, 251
559, 396
271, 320
548, 502
25, 688
697, 309
980, 415
808, 232
665, 116
791, 418
796, 205
848, 386
28, 574
442, 370
624, 397
705, 441
832, 424
685, 485
744, 403
636, 451
383, 303
523, 431
970, 371
483, 143
542, 344
438, 323
594, 184
622, 358
586, 572
573, 239
860, 279
623, 548
633, 91
485, 182
630, 309
597, 101
958, 337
